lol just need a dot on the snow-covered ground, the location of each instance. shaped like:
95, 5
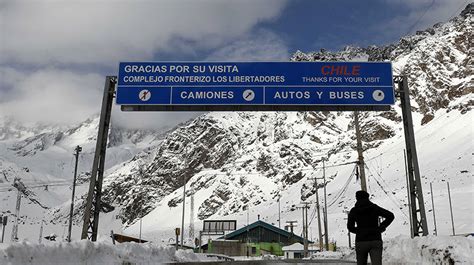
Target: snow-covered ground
399, 250
429, 250
85, 252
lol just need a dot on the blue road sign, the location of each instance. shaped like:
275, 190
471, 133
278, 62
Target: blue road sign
255, 84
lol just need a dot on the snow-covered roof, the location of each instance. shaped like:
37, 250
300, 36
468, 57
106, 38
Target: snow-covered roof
299, 247
295, 246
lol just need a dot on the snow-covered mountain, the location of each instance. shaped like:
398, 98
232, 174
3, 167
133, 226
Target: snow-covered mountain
42, 157
230, 160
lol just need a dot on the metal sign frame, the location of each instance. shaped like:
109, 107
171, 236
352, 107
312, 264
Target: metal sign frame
93, 202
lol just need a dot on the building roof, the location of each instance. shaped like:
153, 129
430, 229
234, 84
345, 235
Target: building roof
124, 238
268, 226
299, 247
295, 246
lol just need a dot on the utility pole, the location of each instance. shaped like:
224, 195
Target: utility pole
248, 241
291, 224
140, 233
279, 211
318, 214
279, 218
306, 230
184, 207
451, 208
432, 205
191, 216
4, 221
305, 226
363, 183
21, 189
325, 210
41, 232
326, 237
78, 150
303, 234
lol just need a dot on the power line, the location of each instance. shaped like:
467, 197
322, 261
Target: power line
343, 190
414, 24
457, 10
394, 201
212, 172
420, 17
37, 184
388, 151
10, 188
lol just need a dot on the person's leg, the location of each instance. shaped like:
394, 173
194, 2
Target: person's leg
376, 248
362, 252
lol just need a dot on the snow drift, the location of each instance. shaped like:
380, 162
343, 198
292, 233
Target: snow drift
86, 252
429, 250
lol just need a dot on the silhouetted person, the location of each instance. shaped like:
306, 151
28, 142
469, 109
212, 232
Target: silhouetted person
368, 230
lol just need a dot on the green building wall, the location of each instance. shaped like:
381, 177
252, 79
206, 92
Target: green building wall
272, 248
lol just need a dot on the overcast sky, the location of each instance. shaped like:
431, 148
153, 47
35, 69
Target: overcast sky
55, 54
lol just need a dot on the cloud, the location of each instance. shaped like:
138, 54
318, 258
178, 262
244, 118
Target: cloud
261, 45
53, 53
422, 14
50, 95
99, 32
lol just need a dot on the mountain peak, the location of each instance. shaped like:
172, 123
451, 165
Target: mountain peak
468, 11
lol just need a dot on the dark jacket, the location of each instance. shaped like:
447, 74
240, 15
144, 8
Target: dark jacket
366, 215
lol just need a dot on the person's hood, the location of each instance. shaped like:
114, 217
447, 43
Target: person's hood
365, 203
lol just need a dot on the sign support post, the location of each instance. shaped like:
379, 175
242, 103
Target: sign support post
91, 212
418, 214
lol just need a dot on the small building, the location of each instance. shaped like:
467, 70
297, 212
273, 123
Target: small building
256, 239
296, 250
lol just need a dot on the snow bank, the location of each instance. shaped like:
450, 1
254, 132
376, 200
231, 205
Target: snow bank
327, 255
342, 253
86, 252
420, 250
429, 250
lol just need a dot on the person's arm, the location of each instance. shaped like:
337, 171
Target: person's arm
351, 223
387, 215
